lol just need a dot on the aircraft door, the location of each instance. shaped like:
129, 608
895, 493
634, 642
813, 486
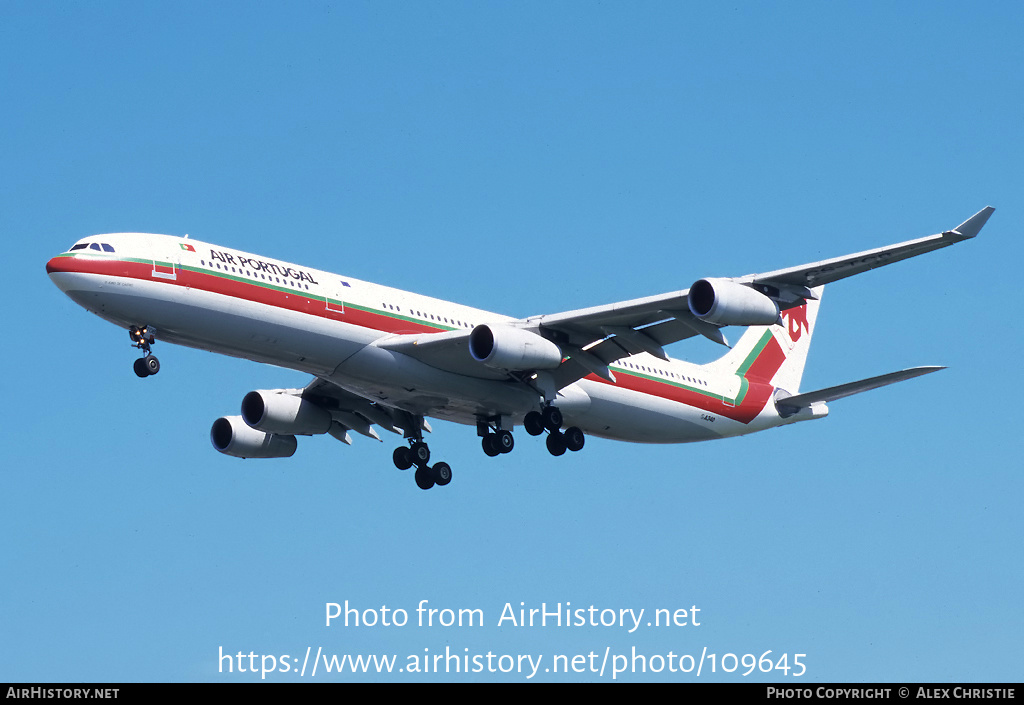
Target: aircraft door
334, 301
167, 268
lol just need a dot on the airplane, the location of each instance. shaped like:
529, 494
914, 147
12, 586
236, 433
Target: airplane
390, 359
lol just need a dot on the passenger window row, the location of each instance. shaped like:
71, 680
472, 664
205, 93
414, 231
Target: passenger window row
254, 275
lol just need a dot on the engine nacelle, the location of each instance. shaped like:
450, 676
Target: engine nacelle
727, 303
232, 436
288, 414
508, 348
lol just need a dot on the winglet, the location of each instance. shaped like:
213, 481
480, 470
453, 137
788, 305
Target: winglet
973, 225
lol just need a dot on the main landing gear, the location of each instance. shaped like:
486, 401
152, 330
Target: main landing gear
418, 454
550, 419
143, 338
496, 440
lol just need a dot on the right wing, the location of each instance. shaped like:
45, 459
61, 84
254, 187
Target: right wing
592, 338
602, 334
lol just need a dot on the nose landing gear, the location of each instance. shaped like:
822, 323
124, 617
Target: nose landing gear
143, 338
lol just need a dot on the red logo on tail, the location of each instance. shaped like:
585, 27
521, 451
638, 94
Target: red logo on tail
797, 319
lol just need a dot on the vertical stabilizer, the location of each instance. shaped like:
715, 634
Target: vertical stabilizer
776, 353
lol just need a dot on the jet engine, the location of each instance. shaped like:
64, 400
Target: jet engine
727, 303
508, 348
231, 436
275, 412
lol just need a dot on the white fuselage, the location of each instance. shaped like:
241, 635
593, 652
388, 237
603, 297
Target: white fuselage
234, 303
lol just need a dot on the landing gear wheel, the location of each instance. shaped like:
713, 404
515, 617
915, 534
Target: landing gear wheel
574, 438
420, 454
489, 446
552, 418
402, 457
146, 366
424, 478
504, 441
556, 443
442, 474
534, 423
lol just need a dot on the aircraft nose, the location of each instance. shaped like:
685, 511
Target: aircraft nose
56, 264
57, 270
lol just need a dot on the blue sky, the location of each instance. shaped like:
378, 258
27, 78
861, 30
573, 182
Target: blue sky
523, 158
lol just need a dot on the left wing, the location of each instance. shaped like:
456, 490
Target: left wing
351, 412
589, 339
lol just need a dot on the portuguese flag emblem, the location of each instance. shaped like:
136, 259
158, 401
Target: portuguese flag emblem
187, 247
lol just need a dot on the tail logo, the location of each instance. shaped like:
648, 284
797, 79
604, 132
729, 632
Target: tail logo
796, 319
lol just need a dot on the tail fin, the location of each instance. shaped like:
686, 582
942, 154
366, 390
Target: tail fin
776, 353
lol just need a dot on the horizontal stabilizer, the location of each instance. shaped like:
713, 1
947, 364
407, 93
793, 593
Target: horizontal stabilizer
844, 390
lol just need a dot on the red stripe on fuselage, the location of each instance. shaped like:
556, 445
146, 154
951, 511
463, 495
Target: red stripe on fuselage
270, 293
757, 380
757, 395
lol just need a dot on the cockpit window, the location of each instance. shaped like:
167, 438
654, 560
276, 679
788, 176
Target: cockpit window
98, 246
